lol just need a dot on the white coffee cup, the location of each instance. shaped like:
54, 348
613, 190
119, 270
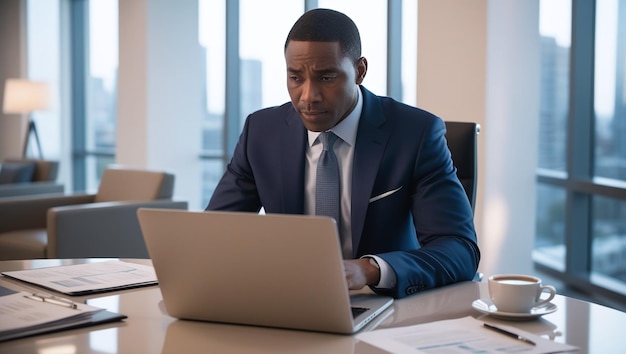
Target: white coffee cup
518, 293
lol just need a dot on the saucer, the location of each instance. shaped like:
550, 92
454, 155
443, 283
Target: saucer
490, 309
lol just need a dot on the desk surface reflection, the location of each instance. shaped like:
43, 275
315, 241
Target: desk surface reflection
148, 329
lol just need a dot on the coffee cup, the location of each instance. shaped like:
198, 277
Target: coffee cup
518, 293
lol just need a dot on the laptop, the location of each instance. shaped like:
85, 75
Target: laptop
283, 271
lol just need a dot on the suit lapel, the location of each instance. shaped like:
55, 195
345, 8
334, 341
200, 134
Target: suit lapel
293, 157
372, 137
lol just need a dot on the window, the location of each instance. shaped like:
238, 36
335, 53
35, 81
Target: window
555, 32
555, 27
371, 20
212, 37
94, 58
610, 95
608, 244
101, 89
251, 74
581, 199
263, 74
90, 75
244, 71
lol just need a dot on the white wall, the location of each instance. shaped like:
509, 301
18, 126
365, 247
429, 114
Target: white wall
479, 61
513, 86
12, 65
160, 91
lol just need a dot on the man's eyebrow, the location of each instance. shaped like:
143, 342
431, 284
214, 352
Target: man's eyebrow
329, 70
293, 70
325, 71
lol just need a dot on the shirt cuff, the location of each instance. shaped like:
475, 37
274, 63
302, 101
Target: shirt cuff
387, 276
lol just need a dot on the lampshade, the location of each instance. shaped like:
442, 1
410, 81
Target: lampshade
24, 96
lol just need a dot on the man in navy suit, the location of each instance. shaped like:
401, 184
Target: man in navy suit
405, 221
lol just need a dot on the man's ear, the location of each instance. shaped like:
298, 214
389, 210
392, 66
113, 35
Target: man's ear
361, 70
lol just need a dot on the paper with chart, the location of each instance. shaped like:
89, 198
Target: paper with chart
464, 335
89, 278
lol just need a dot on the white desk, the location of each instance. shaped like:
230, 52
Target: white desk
591, 327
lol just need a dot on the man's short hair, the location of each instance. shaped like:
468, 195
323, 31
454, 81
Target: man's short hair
324, 25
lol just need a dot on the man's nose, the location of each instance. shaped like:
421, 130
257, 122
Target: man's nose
310, 92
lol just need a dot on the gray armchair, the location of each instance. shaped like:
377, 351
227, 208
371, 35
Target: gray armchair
85, 225
22, 177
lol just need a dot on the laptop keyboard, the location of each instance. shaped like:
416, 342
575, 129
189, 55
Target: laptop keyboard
356, 311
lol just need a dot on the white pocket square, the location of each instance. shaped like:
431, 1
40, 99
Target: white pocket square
386, 194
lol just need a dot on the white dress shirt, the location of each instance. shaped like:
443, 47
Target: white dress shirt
346, 130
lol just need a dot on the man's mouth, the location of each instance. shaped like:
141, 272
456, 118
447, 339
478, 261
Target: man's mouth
311, 113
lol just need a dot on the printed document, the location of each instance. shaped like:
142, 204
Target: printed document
24, 314
463, 335
89, 278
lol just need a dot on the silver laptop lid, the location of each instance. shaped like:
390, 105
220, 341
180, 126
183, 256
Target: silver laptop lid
245, 268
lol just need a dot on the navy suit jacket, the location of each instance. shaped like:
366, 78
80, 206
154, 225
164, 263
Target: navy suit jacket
424, 229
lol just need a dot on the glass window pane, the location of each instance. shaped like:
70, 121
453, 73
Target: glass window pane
608, 256
103, 57
262, 40
555, 30
610, 89
212, 38
550, 236
211, 174
372, 23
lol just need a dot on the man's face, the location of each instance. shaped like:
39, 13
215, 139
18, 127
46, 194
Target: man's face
322, 82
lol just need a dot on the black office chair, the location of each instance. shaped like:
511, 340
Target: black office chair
463, 144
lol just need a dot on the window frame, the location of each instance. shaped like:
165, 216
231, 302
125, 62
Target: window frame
579, 182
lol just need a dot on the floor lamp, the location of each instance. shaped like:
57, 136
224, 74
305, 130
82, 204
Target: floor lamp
25, 96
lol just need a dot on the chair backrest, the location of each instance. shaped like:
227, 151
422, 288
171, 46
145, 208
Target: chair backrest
120, 184
43, 170
462, 140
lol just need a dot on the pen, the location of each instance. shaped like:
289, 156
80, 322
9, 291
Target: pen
510, 334
52, 300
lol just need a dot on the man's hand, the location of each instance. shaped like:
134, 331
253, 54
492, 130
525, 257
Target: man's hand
360, 272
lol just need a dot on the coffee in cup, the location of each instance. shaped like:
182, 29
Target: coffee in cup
518, 293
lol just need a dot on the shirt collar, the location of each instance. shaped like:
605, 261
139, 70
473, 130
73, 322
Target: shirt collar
347, 128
